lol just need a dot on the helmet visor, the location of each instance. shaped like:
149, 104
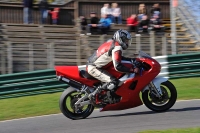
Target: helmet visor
127, 41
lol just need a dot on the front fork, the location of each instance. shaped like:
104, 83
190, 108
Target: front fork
155, 91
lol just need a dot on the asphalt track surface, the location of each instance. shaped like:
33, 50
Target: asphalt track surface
182, 115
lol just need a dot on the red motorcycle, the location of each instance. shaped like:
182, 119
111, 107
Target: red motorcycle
158, 94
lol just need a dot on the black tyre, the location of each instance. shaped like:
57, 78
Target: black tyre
163, 104
67, 101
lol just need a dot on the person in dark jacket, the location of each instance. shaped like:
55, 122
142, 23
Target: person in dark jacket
156, 10
43, 6
93, 23
156, 23
27, 11
144, 24
83, 22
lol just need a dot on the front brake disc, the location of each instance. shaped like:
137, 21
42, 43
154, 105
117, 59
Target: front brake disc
164, 98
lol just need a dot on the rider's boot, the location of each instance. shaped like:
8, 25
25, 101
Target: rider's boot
97, 90
112, 86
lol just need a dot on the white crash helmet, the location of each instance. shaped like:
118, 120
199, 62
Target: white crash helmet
123, 37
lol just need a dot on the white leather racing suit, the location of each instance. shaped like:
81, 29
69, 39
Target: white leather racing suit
107, 54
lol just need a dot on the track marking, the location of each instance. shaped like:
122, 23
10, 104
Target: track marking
61, 113
30, 117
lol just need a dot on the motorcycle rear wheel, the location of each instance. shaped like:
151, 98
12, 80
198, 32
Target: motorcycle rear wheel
160, 105
67, 101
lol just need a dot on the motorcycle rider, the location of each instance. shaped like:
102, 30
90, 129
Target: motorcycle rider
107, 54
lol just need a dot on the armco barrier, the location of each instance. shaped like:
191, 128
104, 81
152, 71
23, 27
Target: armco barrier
44, 81
184, 65
29, 83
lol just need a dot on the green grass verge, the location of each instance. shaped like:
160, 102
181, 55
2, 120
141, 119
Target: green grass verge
187, 130
48, 103
187, 88
29, 106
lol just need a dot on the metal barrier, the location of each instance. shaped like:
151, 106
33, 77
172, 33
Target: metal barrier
29, 83
184, 65
44, 81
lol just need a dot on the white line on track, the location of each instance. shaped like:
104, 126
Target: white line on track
61, 113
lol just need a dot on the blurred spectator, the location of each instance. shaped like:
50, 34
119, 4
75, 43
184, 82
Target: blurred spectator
43, 6
106, 10
83, 22
116, 13
141, 11
156, 10
93, 23
54, 15
132, 23
27, 11
156, 23
105, 23
144, 24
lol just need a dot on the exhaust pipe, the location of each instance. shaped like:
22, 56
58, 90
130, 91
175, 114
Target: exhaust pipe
70, 82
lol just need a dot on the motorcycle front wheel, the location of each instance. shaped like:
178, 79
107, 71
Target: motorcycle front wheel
161, 104
67, 100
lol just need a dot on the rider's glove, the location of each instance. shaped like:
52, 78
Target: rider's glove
137, 64
134, 70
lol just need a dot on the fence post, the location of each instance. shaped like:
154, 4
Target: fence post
164, 45
10, 58
78, 25
152, 43
102, 39
78, 51
50, 55
138, 42
3, 61
31, 60
85, 42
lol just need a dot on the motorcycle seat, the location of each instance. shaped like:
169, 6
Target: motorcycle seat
85, 74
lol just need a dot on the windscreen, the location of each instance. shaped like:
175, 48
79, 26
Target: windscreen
143, 55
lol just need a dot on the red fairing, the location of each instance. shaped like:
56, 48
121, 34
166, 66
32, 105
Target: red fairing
130, 98
72, 72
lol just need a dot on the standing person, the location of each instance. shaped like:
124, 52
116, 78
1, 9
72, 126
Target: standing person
27, 11
54, 15
43, 6
156, 10
141, 11
106, 10
116, 13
